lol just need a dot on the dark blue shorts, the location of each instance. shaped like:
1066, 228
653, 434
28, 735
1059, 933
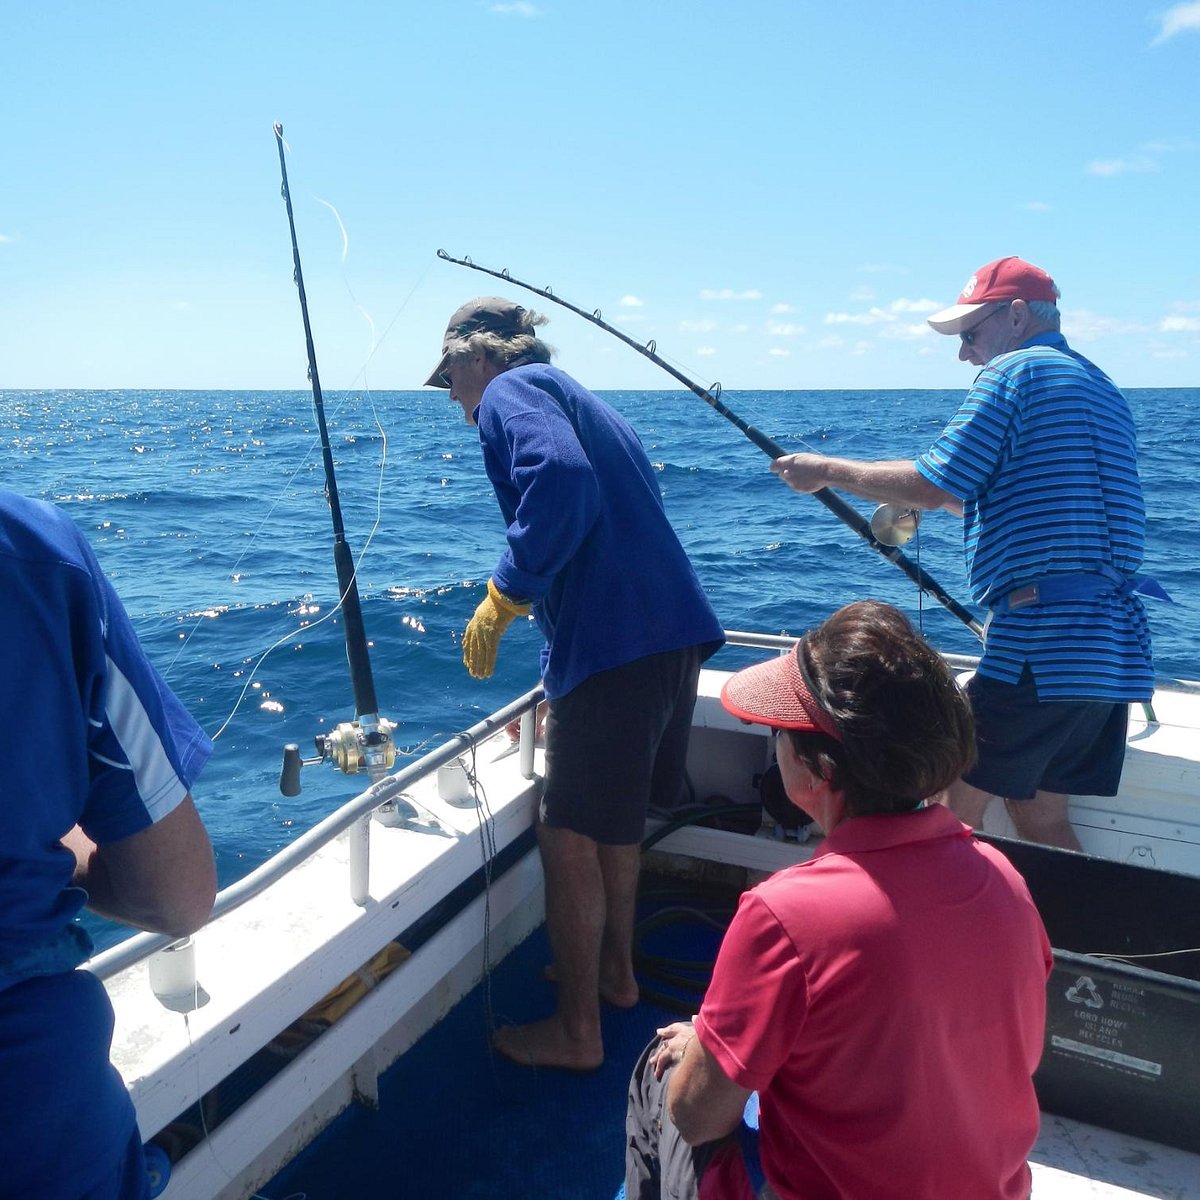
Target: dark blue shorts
1026, 745
63, 1109
617, 744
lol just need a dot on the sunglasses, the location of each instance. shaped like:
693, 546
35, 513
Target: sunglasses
968, 339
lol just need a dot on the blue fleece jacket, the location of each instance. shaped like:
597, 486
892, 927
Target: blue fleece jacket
588, 540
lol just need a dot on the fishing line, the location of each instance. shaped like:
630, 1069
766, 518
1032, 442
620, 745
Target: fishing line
487, 846
920, 594
233, 573
376, 342
207, 1134
1155, 954
287, 637
281, 494
251, 543
846, 513
294, 634
366, 316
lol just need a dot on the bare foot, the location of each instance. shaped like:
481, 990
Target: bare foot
624, 995
547, 1044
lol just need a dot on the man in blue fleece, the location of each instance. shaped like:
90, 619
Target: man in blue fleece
591, 553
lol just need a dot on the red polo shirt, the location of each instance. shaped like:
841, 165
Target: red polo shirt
887, 1000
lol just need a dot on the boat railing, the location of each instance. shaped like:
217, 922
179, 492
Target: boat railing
768, 641
785, 641
358, 810
134, 949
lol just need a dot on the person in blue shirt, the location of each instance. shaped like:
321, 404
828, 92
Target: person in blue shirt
95, 810
1041, 462
591, 554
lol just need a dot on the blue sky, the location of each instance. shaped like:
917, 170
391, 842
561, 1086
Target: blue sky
776, 191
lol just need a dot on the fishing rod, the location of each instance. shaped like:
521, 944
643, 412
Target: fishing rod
366, 743
892, 518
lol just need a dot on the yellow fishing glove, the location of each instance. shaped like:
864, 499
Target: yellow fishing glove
481, 638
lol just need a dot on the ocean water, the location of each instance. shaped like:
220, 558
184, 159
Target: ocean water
207, 509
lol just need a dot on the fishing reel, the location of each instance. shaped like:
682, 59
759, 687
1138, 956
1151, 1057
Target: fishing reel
894, 525
352, 747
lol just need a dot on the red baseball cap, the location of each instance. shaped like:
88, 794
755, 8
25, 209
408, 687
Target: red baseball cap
1005, 279
776, 693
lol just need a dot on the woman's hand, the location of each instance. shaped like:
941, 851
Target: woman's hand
676, 1038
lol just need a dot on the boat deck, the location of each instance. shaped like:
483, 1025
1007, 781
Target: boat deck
453, 1121
456, 1122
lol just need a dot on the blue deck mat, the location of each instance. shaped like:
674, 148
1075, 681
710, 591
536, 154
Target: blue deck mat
457, 1121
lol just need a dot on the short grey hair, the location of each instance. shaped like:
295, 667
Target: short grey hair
512, 351
1045, 313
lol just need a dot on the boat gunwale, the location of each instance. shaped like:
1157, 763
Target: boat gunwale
141, 945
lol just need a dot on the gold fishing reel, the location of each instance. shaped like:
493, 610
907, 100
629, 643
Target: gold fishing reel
352, 747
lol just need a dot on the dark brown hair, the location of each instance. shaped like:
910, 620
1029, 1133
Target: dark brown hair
905, 725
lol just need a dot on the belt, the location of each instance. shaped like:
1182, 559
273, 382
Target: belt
1077, 585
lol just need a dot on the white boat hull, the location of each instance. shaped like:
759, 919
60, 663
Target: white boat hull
268, 962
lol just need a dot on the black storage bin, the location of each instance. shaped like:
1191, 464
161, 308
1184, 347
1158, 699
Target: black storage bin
1122, 1040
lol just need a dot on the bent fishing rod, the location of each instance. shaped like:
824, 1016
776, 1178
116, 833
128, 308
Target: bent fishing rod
845, 513
366, 743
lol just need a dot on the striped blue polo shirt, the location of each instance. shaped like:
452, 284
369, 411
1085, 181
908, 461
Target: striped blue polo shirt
1043, 455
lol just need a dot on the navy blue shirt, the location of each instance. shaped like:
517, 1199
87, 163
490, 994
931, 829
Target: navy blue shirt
119, 751
589, 542
97, 740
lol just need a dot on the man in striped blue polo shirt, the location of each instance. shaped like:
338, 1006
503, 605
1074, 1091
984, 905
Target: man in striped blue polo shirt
1041, 462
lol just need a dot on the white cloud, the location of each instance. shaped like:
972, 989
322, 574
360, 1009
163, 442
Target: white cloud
1137, 164
5, 238
1182, 18
1080, 325
863, 295
1145, 160
520, 8
906, 333
741, 327
779, 352
730, 294
781, 308
877, 315
706, 326
914, 306
784, 329
1035, 206
1169, 145
706, 351
874, 316
1180, 325
631, 302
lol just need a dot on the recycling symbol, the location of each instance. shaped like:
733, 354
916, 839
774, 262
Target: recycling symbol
1083, 991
